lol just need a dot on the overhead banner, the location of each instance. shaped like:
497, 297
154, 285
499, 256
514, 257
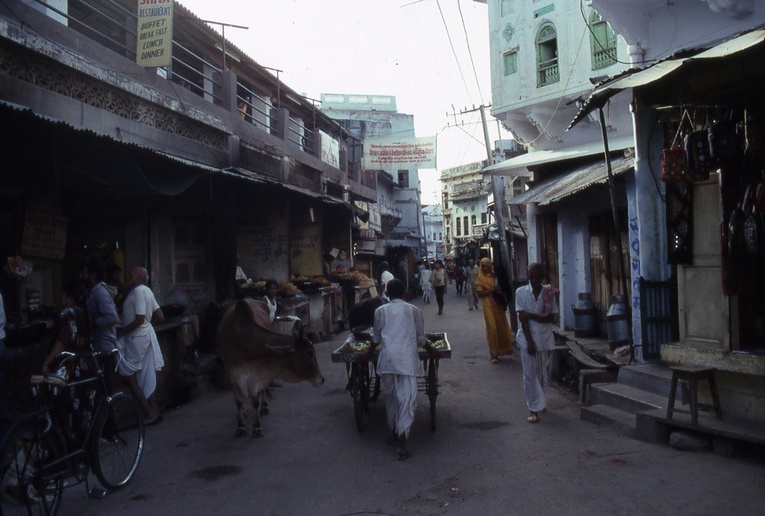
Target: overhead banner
154, 35
399, 153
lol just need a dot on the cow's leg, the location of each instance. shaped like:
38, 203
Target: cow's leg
241, 408
257, 430
264, 410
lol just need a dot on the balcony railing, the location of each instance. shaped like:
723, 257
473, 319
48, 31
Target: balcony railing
603, 58
300, 135
254, 109
548, 72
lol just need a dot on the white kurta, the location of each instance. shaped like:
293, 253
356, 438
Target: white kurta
399, 329
139, 350
536, 369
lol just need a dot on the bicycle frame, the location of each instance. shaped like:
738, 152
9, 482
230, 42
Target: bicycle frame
81, 455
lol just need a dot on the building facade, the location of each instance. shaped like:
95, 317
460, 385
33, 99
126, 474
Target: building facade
398, 191
433, 222
188, 168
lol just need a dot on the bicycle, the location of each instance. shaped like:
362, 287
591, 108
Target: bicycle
40, 452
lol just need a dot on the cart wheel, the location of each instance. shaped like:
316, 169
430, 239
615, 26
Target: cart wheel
360, 394
432, 391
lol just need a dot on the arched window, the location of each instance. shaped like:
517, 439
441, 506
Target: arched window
602, 43
547, 55
458, 229
465, 225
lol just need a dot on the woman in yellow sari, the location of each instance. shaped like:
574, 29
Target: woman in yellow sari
498, 331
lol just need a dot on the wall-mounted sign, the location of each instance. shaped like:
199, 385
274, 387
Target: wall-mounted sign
330, 150
44, 235
154, 34
399, 153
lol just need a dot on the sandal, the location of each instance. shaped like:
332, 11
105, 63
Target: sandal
494, 359
533, 418
403, 455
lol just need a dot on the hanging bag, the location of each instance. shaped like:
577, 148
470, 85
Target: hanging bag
735, 223
753, 230
697, 150
674, 161
724, 142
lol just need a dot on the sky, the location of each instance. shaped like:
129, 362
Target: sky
378, 47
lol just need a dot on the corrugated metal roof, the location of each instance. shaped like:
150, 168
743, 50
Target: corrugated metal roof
518, 166
558, 188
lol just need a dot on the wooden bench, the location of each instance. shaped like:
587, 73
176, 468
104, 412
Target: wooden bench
692, 374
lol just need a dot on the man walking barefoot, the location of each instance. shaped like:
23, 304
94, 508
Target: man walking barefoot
537, 310
399, 329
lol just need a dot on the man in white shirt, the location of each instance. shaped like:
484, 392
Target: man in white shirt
385, 277
141, 356
399, 329
535, 340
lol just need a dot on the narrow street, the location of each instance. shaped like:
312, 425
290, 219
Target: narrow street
482, 459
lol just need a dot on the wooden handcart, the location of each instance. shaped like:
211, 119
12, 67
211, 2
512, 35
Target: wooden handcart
364, 384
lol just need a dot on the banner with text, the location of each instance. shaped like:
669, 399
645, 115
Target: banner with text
154, 35
399, 153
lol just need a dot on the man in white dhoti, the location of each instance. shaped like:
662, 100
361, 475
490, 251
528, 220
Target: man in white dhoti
537, 309
399, 329
141, 356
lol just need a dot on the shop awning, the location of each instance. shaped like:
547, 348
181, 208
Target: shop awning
637, 77
249, 175
558, 188
519, 166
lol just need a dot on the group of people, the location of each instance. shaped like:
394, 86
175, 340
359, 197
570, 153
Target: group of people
398, 329
89, 319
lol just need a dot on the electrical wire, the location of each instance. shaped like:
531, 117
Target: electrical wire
451, 44
470, 52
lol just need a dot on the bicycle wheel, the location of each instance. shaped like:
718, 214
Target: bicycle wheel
26, 485
117, 441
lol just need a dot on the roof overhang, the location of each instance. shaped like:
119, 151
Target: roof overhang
520, 165
558, 188
639, 77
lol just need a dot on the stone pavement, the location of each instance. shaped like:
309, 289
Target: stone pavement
482, 459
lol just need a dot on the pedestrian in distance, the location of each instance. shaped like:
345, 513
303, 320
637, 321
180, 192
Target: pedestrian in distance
498, 332
439, 285
459, 277
537, 310
426, 283
385, 277
399, 329
141, 356
471, 277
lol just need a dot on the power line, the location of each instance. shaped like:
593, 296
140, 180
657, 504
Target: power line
470, 52
459, 67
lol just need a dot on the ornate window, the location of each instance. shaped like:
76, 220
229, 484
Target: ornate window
602, 43
547, 55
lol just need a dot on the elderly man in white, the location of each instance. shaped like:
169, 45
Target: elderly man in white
399, 329
141, 356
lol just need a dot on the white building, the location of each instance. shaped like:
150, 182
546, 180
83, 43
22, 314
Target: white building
396, 216
465, 197
544, 60
433, 222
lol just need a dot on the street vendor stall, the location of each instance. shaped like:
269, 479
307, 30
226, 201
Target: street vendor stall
364, 385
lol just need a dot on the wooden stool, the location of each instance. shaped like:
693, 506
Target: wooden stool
692, 374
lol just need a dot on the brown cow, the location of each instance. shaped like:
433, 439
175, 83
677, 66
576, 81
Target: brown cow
254, 356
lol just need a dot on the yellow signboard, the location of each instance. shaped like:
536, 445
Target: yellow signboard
154, 34
44, 235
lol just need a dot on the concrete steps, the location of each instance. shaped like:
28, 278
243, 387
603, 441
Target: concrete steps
639, 388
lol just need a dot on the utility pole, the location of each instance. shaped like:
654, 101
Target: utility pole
499, 203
